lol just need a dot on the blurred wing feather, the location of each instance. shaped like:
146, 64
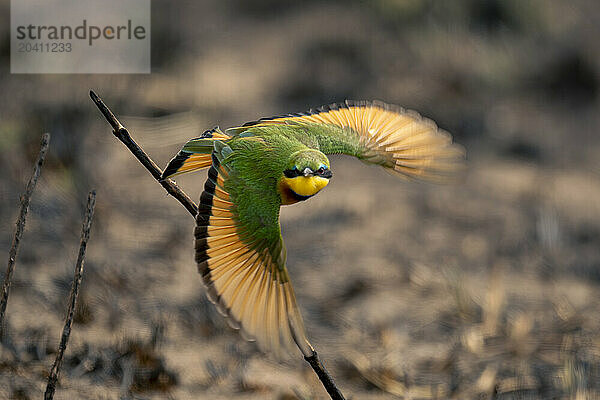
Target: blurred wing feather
382, 134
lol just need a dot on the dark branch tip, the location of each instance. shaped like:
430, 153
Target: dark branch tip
45, 138
108, 115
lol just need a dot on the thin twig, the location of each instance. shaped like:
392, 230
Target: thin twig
324, 377
85, 235
25, 199
123, 135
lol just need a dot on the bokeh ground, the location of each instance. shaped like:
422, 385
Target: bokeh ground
485, 289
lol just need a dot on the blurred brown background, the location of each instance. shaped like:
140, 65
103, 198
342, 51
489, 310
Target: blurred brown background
486, 289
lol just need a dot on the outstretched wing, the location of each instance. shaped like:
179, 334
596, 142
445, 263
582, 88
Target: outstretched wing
241, 256
382, 134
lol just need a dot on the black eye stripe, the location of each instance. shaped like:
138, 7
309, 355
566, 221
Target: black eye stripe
292, 173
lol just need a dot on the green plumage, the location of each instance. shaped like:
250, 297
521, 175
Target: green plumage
255, 165
262, 165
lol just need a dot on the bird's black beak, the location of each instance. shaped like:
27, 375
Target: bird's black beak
327, 174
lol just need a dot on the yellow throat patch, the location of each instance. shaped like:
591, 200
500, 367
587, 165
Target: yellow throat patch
303, 186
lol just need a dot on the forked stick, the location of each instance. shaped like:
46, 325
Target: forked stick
25, 199
171, 187
85, 235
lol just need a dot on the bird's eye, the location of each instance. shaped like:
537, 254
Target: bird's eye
320, 170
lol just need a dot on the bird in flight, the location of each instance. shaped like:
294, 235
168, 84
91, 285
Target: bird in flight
256, 168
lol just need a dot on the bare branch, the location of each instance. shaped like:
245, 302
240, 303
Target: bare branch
123, 135
25, 200
324, 377
85, 235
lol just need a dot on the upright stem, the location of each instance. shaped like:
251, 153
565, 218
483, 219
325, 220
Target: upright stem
85, 235
25, 200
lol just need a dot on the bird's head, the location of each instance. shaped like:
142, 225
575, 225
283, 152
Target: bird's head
306, 173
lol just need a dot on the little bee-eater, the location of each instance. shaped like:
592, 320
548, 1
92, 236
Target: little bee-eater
258, 167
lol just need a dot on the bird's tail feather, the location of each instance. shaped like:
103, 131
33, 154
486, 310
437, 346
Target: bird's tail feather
195, 154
